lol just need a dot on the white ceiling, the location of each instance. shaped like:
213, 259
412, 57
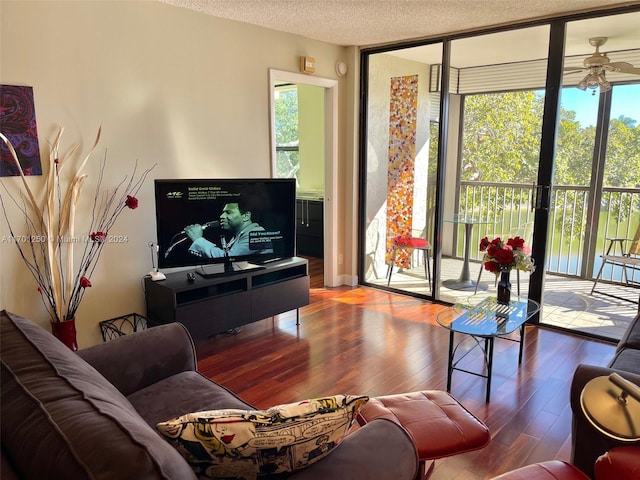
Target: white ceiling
374, 22
622, 32
380, 22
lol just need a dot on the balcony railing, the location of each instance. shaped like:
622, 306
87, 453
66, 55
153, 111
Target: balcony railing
574, 243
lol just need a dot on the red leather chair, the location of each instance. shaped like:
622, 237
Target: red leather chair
551, 470
618, 463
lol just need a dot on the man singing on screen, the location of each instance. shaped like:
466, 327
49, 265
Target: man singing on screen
234, 219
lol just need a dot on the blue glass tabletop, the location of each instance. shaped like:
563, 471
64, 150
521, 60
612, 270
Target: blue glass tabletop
487, 317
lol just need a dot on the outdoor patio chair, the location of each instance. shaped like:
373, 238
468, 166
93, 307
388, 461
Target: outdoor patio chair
523, 231
411, 243
627, 259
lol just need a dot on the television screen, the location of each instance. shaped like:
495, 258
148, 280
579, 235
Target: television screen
221, 221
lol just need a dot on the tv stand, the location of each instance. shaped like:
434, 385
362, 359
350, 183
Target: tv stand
208, 306
226, 268
266, 262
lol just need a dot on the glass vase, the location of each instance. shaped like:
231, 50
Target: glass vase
504, 287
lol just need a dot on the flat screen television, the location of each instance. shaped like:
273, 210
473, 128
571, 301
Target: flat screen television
224, 224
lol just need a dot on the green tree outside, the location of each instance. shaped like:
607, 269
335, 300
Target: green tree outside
286, 126
501, 143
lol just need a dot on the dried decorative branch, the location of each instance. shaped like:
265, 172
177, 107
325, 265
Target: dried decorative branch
47, 248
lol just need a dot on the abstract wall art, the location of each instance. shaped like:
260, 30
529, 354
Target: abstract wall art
18, 124
403, 111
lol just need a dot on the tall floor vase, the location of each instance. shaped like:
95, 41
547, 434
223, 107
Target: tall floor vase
504, 288
66, 333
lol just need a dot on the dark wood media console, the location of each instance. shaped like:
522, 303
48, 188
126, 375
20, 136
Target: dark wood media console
208, 306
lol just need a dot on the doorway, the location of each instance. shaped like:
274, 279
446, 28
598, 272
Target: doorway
328, 197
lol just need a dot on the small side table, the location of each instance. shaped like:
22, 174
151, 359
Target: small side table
484, 322
464, 282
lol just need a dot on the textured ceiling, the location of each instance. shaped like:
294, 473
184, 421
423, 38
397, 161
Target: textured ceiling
373, 22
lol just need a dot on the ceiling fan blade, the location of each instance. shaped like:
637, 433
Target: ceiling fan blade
622, 67
573, 70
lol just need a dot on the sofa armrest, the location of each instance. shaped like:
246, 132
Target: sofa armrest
135, 361
631, 336
587, 443
379, 450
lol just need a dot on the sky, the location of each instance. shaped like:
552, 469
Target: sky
626, 101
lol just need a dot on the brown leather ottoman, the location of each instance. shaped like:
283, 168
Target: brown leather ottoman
438, 425
552, 470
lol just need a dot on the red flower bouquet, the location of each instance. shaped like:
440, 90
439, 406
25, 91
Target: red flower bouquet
500, 256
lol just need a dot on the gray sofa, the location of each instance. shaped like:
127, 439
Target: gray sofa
92, 414
587, 443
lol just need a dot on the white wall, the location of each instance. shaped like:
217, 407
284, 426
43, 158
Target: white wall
169, 86
311, 120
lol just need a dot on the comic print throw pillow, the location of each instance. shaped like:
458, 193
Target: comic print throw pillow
252, 444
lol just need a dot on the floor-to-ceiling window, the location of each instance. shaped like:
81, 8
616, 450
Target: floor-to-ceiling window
596, 192
403, 113
489, 158
494, 116
619, 213
500, 93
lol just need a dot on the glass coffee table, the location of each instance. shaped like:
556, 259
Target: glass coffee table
484, 320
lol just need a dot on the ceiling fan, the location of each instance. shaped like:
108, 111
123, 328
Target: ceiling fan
597, 65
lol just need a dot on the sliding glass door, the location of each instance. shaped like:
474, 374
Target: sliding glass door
497, 112
596, 177
482, 174
507, 133
399, 174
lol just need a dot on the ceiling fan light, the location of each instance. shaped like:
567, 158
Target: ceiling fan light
582, 84
605, 86
593, 82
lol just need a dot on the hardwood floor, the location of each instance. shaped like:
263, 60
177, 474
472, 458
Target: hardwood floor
365, 341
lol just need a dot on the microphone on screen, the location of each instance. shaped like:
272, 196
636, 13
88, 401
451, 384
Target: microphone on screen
175, 243
213, 223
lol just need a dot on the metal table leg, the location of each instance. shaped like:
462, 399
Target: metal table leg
450, 362
522, 332
489, 342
